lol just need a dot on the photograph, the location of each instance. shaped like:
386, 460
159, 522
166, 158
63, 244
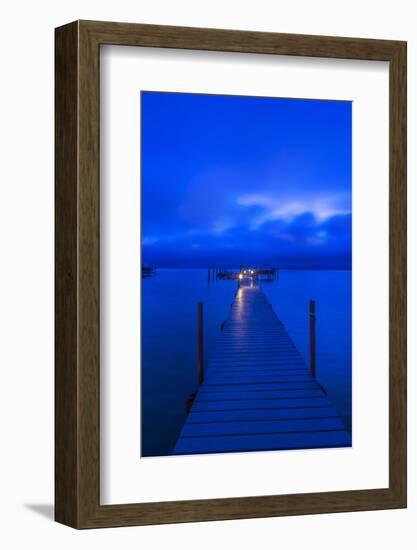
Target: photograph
246, 273
208, 275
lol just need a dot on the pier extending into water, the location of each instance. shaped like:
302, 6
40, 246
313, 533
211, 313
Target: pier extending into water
257, 392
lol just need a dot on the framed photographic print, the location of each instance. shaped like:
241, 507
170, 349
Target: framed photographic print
230, 274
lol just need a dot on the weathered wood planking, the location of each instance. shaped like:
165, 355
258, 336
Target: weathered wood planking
258, 393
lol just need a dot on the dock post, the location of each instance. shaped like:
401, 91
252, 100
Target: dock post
313, 337
200, 342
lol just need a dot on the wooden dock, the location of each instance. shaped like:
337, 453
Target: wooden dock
258, 393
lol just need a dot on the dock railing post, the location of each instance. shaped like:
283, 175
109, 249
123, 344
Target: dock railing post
313, 337
200, 342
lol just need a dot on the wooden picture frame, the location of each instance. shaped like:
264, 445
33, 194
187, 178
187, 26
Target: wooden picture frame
77, 405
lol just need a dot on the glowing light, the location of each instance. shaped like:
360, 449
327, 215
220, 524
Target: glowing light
251, 271
240, 276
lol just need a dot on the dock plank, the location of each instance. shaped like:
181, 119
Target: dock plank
263, 414
263, 442
262, 427
242, 404
253, 394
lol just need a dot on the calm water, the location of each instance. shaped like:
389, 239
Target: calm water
169, 340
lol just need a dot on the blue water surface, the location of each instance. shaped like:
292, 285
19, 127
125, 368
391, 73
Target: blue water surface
169, 339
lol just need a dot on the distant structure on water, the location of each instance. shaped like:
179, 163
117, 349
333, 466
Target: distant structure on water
148, 271
265, 272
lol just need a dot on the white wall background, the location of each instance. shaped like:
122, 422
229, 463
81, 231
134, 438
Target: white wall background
26, 271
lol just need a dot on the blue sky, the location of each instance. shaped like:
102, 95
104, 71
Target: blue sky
228, 180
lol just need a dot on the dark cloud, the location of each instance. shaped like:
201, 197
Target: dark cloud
301, 242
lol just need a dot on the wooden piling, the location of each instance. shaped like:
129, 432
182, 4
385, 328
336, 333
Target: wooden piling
313, 337
200, 342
